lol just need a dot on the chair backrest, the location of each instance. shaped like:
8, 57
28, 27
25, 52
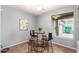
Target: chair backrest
50, 36
32, 32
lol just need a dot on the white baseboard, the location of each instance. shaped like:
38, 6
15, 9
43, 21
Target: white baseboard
15, 44
65, 46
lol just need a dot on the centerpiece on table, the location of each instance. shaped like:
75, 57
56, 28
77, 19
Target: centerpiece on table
40, 29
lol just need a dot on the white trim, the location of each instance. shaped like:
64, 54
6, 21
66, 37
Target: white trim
15, 44
65, 46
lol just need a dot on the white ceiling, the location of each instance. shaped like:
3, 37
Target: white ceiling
37, 9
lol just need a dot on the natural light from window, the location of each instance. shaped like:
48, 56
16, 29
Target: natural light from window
66, 27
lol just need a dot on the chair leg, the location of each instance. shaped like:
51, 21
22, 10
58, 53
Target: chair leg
51, 47
28, 48
48, 48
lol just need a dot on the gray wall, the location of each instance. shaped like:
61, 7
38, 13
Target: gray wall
10, 26
78, 30
0, 27
44, 20
77, 26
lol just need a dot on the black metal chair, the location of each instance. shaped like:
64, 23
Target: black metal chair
49, 40
32, 34
32, 42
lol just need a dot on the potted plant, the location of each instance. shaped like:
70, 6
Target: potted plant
40, 29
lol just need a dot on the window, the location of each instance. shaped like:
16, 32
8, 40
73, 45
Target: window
66, 27
63, 24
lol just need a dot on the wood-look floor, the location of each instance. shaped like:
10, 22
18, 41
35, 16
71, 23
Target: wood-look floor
23, 48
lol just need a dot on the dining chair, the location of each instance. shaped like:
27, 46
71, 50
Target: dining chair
48, 40
32, 34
